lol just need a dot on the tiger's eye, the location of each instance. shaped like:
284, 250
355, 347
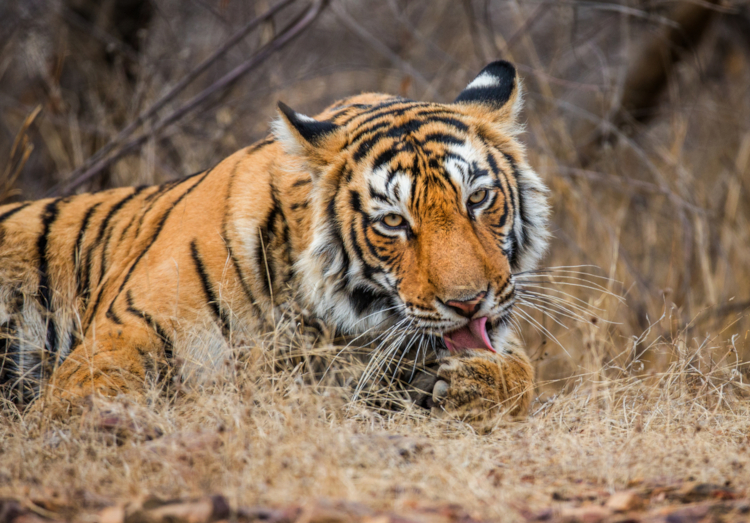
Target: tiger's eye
478, 197
393, 220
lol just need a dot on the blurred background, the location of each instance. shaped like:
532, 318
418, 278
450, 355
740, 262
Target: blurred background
637, 117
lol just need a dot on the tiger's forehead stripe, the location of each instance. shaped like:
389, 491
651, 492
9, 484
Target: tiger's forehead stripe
388, 122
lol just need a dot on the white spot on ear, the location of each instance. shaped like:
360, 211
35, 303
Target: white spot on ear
484, 80
287, 136
304, 118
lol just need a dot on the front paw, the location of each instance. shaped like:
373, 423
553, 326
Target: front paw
479, 387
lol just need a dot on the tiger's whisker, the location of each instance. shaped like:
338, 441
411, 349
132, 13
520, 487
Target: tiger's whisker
544, 311
538, 286
558, 308
569, 308
592, 287
541, 328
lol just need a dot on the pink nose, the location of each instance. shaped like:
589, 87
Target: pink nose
469, 307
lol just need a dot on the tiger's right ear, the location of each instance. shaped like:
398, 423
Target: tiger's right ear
496, 88
302, 135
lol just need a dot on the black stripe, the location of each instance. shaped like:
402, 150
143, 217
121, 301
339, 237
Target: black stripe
263, 260
368, 269
375, 195
240, 274
303, 181
363, 298
90, 282
520, 244
443, 138
259, 145
520, 214
477, 172
493, 96
153, 239
285, 240
371, 246
105, 229
410, 127
138, 216
128, 226
228, 243
356, 205
360, 132
451, 121
430, 112
384, 157
208, 290
153, 198
112, 316
365, 146
77, 254
69, 338
160, 332
45, 293
383, 109
13, 211
499, 179
338, 240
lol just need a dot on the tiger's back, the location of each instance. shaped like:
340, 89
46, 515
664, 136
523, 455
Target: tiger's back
109, 260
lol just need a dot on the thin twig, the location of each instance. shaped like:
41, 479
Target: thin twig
288, 34
381, 48
90, 167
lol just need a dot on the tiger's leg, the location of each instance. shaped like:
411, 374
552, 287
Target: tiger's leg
113, 359
478, 385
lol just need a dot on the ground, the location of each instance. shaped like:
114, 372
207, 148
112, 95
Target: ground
669, 446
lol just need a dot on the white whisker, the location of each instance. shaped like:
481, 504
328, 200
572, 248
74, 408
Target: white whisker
554, 306
541, 328
544, 311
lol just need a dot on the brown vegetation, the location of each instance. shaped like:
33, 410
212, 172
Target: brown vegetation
641, 385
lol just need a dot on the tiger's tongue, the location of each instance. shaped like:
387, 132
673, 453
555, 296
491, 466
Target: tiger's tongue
472, 336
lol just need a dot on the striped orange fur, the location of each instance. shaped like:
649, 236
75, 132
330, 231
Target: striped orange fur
380, 211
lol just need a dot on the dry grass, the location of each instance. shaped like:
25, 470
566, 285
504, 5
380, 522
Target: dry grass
654, 389
263, 437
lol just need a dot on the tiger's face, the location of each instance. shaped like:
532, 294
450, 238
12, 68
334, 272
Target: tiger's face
423, 212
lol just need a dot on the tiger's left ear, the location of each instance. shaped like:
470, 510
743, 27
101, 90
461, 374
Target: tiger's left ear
496, 88
302, 135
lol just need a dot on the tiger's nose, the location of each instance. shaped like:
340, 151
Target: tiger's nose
467, 308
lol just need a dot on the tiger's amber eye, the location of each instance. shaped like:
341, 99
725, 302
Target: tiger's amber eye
478, 197
393, 220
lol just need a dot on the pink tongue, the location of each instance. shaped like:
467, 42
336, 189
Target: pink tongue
473, 336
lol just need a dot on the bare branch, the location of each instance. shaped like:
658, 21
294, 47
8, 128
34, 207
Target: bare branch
381, 48
83, 172
288, 34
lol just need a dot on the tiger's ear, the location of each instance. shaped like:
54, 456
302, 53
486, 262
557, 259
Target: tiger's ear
495, 88
300, 134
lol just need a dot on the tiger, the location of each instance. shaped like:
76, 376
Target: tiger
379, 212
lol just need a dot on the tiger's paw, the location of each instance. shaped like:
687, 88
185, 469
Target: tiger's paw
479, 386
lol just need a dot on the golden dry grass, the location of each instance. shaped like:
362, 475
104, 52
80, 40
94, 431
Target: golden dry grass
265, 438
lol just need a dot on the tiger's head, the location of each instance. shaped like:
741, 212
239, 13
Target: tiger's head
423, 212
